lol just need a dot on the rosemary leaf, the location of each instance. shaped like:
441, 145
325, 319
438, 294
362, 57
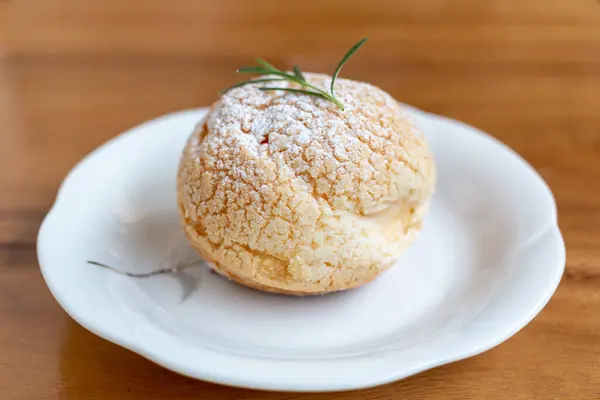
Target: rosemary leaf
253, 70
344, 60
298, 73
243, 83
266, 65
287, 76
264, 71
302, 91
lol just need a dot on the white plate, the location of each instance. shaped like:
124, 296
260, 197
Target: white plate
489, 258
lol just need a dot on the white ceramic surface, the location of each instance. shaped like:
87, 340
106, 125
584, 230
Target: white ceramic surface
490, 257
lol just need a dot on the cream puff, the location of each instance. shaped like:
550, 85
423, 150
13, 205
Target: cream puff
285, 192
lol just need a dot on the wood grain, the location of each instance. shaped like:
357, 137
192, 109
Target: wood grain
76, 73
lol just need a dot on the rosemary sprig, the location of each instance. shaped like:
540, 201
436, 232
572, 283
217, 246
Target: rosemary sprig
344, 60
148, 274
318, 94
262, 80
275, 75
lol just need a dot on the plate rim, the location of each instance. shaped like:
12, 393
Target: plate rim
161, 358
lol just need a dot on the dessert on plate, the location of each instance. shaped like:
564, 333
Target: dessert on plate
301, 186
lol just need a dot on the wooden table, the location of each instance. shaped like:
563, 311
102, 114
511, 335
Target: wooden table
75, 73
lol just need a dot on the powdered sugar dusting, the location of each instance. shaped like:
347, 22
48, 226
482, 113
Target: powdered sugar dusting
321, 143
287, 190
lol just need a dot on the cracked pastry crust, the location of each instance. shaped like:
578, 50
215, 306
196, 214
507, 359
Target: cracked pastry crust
286, 193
